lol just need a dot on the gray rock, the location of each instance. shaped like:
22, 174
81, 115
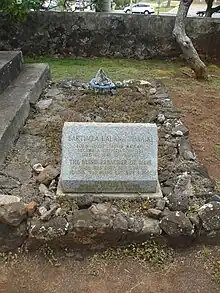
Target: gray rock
161, 118
120, 222
119, 84
210, 216
13, 214
44, 104
167, 190
154, 213
42, 210
43, 189
152, 91
50, 230
176, 224
160, 204
53, 92
12, 237
47, 175
185, 150
183, 191
151, 227
38, 168
8, 199
48, 214
180, 130
135, 224
85, 201
59, 212
195, 220
53, 185
214, 197
102, 209
162, 96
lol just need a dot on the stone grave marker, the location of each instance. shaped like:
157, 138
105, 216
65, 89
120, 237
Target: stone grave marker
109, 160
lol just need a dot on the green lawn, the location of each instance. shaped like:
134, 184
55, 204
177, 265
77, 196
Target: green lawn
116, 68
119, 69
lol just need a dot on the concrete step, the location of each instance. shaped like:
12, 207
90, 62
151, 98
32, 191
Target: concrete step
11, 64
15, 103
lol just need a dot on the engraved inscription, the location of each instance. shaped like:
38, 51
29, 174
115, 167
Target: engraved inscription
118, 155
96, 155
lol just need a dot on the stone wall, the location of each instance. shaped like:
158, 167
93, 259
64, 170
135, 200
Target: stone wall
109, 35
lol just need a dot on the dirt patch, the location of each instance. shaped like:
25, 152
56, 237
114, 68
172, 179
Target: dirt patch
201, 108
190, 272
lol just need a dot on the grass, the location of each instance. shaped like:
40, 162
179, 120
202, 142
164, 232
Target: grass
116, 68
164, 9
119, 69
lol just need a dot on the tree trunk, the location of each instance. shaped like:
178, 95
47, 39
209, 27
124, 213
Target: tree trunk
185, 43
208, 12
168, 3
106, 5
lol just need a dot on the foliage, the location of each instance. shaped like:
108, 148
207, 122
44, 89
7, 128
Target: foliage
18, 8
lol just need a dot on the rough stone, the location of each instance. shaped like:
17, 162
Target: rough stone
8, 199
195, 220
53, 92
152, 91
151, 227
50, 230
109, 158
161, 118
154, 213
135, 224
53, 185
176, 224
47, 175
44, 104
12, 237
43, 189
210, 216
214, 197
94, 37
13, 214
48, 214
167, 190
85, 201
38, 168
185, 150
120, 222
102, 209
42, 210
31, 208
180, 130
160, 204
183, 191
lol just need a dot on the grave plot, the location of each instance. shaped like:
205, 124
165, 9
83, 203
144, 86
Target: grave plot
31, 172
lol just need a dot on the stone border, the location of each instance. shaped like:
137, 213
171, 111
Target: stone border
189, 212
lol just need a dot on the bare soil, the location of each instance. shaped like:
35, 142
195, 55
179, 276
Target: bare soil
191, 272
201, 108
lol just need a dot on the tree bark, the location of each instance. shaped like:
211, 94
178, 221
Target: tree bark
168, 3
208, 12
186, 45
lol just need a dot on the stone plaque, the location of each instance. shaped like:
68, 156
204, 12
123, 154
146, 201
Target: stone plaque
109, 158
